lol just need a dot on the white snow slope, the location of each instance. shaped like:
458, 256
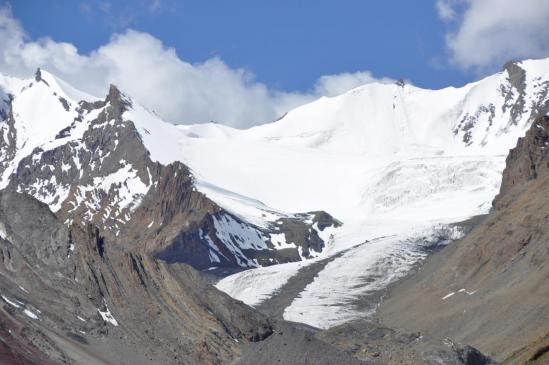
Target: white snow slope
391, 162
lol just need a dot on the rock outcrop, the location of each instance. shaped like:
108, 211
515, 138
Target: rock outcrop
369, 341
528, 161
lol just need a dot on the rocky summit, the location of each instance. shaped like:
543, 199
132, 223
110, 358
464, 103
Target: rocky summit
88, 161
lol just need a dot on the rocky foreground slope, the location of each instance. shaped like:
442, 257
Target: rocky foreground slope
490, 289
71, 296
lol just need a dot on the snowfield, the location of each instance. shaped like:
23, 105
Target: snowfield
395, 164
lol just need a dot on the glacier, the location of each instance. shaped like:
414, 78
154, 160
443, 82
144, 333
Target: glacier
396, 164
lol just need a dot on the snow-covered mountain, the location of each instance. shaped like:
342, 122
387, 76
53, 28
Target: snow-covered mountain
114, 164
348, 154
393, 163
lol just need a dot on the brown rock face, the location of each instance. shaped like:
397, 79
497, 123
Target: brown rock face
87, 292
528, 160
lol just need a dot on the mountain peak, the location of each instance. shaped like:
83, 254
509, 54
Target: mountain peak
117, 99
38, 75
114, 93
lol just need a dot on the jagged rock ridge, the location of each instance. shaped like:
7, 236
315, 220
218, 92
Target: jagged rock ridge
92, 166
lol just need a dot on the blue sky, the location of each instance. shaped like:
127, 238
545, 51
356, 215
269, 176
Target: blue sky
246, 62
287, 44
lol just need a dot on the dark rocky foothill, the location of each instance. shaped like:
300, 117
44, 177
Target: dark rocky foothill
368, 340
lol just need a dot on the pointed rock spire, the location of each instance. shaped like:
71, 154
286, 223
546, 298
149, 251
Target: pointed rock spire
114, 93
117, 100
38, 75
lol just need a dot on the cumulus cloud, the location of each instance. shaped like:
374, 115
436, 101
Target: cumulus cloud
331, 85
157, 77
487, 33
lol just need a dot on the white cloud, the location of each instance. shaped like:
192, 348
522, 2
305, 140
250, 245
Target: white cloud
445, 9
490, 32
159, 79
331, 85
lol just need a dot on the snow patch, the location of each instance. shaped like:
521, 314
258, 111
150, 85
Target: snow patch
13, 303
279, 241
3, 234
30, 314
107, 316
451, 294
448, 295
238, 236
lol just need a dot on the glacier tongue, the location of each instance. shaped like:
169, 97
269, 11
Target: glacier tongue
348, 286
